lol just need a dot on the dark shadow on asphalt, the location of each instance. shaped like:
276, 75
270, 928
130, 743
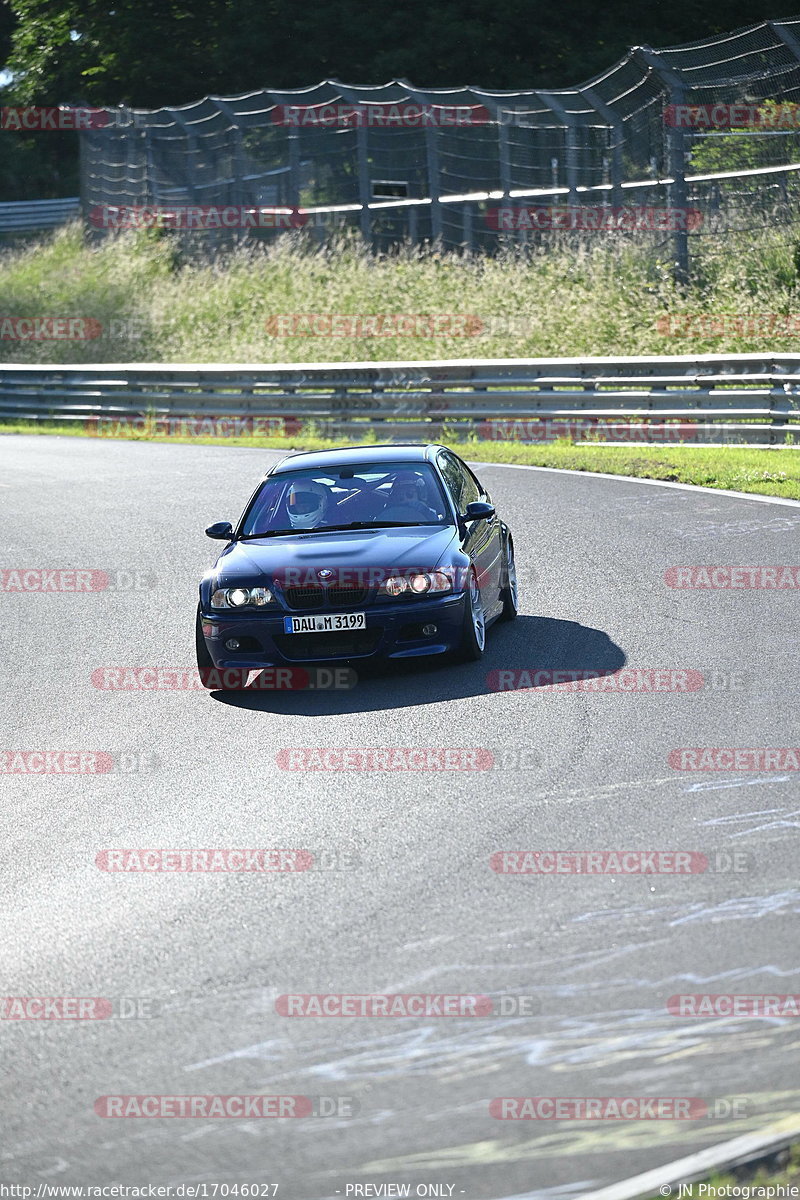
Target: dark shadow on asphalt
528, 643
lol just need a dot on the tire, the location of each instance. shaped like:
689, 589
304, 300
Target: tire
473, 637
205, 663
509, 591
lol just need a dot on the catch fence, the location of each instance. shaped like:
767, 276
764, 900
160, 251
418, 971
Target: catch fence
403, 163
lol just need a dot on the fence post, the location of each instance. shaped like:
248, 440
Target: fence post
238, 148
362, 156
294, 168
570, 142
615, 125
432, 159
466, 225
676, 143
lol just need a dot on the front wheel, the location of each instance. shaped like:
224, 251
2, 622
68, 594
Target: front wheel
205, 663
473, 637
508, 592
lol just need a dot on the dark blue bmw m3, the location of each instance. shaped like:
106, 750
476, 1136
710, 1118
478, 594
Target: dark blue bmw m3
369, 552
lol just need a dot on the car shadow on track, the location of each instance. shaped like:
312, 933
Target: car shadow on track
528, 643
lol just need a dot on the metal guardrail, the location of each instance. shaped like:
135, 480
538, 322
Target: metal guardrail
740, 398
17, 216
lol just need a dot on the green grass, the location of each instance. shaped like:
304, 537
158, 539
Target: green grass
744, 1178
580, 297
769, 472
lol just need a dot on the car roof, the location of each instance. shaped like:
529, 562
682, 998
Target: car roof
361, 455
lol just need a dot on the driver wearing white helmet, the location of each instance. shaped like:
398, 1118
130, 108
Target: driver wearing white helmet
307, 503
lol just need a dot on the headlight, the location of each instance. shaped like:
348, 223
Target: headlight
421, 583
439, 581
240, 597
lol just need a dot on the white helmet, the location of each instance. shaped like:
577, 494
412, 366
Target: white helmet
306, 502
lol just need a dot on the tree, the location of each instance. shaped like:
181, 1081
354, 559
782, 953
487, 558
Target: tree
150, 53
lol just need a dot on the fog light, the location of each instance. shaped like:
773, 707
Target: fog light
429, 630
232, 644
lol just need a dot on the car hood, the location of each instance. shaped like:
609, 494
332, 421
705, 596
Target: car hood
423, 547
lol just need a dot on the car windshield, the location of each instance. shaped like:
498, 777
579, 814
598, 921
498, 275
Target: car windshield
381, 495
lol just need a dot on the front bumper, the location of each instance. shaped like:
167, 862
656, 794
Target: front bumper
393, 630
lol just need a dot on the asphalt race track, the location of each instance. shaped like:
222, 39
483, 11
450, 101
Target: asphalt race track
402, 898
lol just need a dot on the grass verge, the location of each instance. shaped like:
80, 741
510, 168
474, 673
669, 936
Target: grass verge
749, 1184
153, 297
767, 472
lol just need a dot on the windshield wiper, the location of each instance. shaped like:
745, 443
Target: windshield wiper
365, 525
246, 537
337, 528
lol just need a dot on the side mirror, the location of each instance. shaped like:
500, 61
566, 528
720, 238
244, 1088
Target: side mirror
221, 531
479, 510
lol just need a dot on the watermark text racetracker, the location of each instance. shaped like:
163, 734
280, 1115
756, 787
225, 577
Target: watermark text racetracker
624, 679
735, 758
74, 579
778, 578
76, 1008
237, 860
752, 325
267, 679
591, 429
582, 679
35, 118
617, 1108
406, 758
620, 862
200, 217
593, 218
388, 324
205, 425
403, 115
70, 329
438, 1004
234, 1107
768, 114
76, 762
729, 1005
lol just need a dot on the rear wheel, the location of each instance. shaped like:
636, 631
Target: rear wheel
508, 592
473, 637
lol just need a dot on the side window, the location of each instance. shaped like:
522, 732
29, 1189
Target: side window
471, 489
482, 492
462, 484
452, 477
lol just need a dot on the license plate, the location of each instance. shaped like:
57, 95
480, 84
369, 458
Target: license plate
325, 623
